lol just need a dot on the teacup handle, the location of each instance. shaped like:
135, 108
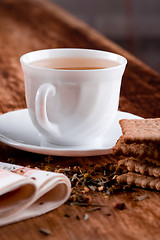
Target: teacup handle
41, 108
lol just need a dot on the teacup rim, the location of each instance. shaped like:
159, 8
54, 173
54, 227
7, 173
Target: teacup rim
122, 58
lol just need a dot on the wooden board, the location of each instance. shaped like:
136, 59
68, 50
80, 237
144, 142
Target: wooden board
30, 25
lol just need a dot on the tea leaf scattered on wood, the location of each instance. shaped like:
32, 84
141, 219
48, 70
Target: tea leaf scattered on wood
45, 231
142, 197
120, 206
77, 217
93, 209
86, 217
84, 183
67, 215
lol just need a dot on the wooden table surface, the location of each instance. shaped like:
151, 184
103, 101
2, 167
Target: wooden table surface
30, 25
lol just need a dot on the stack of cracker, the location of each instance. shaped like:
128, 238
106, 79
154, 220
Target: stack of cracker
139, 151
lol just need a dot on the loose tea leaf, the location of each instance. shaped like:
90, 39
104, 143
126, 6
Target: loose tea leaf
77, 217
120, 206
45, 231
85, 183
140, 198
86, 217
67, 215
93, 209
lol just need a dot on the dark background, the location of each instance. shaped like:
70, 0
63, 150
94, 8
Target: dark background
133, 24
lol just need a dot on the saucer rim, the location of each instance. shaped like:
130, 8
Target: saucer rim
91, 151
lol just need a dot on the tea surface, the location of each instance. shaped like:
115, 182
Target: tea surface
75, 63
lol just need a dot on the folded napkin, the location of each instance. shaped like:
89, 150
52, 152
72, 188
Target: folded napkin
27, 193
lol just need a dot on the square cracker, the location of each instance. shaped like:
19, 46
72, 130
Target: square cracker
141, 130
142, 167
140, 150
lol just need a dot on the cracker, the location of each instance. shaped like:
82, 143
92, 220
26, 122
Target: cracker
151, 160
142, 150
139, 180
132, 165
141, 130
146, 160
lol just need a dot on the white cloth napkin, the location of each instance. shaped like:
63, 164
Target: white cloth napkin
27, 193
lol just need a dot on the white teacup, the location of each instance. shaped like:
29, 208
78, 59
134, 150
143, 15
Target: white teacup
74, 105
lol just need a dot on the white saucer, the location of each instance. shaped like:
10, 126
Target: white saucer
17, 130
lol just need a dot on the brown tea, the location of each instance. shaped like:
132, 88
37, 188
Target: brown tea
75, 63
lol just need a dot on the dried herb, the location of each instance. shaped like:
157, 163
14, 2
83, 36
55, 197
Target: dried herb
45, 231
100, 189
11, 160
142, 197
93, 209
49, 159
84, 183
86, 217
67, 215
108, 214
77, 217
120, 206
98, 179
48, 168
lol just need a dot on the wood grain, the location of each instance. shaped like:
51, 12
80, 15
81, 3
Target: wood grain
30, 25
